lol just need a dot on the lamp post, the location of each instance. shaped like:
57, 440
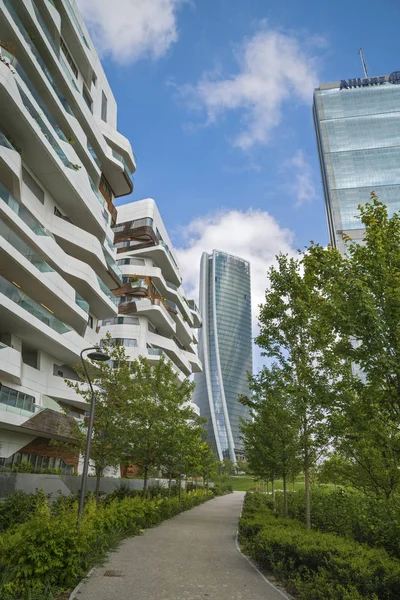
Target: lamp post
99, 356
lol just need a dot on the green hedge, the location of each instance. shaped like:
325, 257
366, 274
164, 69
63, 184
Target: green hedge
315, 565
49, 553
351, 514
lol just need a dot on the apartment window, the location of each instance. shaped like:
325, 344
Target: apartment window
12, 397
87, 98
151, 327
120, 321
125, 342
94, 78
32, 185
30, 356
118, 229
90, 321
69, 58
105, 188
103, 106
59, 214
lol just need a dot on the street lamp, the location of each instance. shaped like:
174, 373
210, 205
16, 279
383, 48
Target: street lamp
98, 355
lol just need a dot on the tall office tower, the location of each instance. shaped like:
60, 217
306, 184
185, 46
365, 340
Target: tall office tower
225, 349
62, 163
357, 123
154, 317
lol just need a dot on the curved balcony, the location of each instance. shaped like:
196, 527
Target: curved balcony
116, 172
76, 272
154, 309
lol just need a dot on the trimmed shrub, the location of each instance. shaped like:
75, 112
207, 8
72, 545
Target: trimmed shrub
315, 565
349, 513
49, 551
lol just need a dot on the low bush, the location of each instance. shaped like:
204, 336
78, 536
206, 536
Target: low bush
349, 513
48, 552
315, 565
18, 507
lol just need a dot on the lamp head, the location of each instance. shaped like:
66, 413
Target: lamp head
98, 356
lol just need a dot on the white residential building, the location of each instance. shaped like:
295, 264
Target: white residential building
154, 316
62, 163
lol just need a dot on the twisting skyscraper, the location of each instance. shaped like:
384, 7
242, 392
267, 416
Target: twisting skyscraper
225, 349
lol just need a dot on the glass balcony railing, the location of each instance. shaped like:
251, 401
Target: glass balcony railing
81, 302
106, 290
193, 305
35, 52
23, 248
75, 20
4, 142
25, 408
23, 213
44, 129
96, 191
155, 351
119, 157
12, 292
93, 154
113, 265
110, 244
172, 306
164, 245
2, 346
22, 74
45, 30
172, 286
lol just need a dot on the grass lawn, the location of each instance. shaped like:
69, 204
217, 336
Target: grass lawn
242, 483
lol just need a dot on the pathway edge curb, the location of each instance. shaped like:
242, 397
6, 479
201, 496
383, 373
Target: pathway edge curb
283, 594
80, 584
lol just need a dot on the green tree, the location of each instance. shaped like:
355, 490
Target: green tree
156, 412
295, 331
271, 436
113, 387
363, 293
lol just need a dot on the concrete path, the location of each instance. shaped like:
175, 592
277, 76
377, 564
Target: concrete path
190, 557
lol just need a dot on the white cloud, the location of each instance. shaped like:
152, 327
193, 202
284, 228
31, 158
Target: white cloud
302, 186
253, 235
128, 30
273, 68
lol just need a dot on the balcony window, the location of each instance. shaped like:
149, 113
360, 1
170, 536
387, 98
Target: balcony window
131, 261
87, 98
120, 321
31, 184
69, 58
34, 308
22, 212
103, 107
129, 342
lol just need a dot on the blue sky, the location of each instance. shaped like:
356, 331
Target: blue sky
215, 97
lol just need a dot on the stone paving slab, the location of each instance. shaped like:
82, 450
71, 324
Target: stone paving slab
192, 556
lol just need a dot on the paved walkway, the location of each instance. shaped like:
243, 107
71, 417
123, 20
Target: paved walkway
190, 557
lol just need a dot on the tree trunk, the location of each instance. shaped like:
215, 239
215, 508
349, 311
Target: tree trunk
273, 488
169, 485
145, 478
267, 487
307, 482
285, 503
293, 483
99, 473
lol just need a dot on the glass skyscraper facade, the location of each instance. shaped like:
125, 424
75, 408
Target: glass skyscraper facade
225, 349
357, 123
